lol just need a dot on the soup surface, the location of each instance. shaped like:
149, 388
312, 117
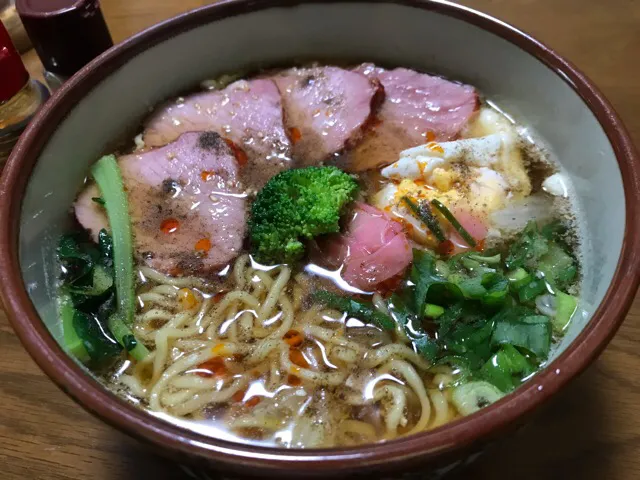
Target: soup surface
321, 256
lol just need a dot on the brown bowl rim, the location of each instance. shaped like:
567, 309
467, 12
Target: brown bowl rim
383, 456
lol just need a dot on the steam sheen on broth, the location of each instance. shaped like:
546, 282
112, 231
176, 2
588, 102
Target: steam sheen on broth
322, 257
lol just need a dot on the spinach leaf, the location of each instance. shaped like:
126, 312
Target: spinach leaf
76, 262
364, 311
96, 338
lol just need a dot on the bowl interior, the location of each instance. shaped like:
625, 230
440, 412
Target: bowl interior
392, 34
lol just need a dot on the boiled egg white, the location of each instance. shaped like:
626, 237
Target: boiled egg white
478, 175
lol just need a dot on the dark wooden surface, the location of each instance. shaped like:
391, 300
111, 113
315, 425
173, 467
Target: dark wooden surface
590, 431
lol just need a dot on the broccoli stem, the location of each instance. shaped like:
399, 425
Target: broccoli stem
72, 342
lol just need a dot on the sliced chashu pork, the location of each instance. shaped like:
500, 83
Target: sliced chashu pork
247, 112
418, 108
326, 109
187, 206
373, 248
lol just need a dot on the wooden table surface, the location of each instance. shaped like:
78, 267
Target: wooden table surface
591, 431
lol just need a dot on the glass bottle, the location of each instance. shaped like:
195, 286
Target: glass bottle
20, 96
66, 34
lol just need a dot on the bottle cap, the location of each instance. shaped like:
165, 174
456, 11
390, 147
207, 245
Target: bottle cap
13, 74
67, 34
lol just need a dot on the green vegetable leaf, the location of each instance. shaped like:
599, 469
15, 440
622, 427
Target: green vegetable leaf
76, 261
125, 337
107, 175
105, 244
497, 288
532, 333
364, 311
447, 320
425, 277
427, 347
527, 249
100, 283
527, 293
471, 340
506, 368
72, 342
426, 216
433, 311
566, 306
96, 338
558, 266
410, 322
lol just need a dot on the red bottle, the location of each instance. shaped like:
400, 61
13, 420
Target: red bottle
20, 96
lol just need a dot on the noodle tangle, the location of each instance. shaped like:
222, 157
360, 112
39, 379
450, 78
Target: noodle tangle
271, 366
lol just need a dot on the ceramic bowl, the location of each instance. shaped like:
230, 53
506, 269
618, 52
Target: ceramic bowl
107, 99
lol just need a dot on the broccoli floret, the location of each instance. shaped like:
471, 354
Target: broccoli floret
297, 205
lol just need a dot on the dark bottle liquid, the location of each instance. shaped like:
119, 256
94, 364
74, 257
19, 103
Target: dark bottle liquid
67, 34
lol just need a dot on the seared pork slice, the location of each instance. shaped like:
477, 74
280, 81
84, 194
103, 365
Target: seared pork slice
326, 109
418, 108
371, 250
247, 112
186, 203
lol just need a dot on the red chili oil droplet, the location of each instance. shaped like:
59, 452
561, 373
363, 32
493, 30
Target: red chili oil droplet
219, 296
252, 402
294, 338
446, 248
169, 225
390, 285
295, 135
293, 380
212, 367
297, 358
239, 395
206, 175
430, 136
175, 272
203, 246
434, 147
480, 245
237, 357
241, 156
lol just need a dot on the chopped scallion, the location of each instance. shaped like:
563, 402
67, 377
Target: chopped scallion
425, 215
433, 311
454, 222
